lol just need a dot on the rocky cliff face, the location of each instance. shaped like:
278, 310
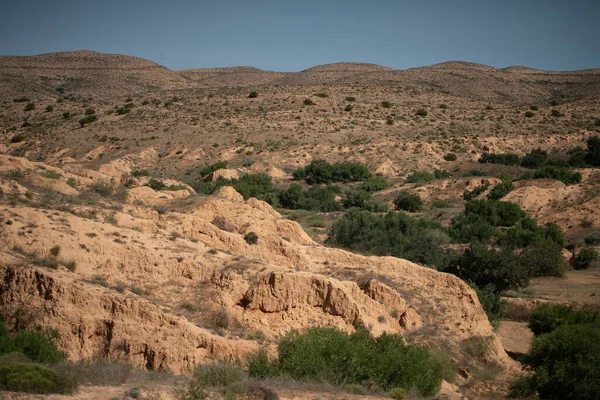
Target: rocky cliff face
173, 289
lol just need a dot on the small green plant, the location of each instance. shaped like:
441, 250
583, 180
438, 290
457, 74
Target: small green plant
450, 157
51, 174
55, 251
66, 115
529, 114
90, 111
251, 238
88, 120
49, 108
29, 107
21, 100
350, 98
584, 259
309, 102
408, 202
422, 113
253, 95
348, 107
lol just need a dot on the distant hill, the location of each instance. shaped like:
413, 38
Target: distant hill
92, 74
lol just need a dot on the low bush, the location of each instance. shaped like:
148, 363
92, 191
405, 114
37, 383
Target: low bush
408, 202
501, 189
564, 363
320, 171
213, 167
420, 177
335, 357
33, 378
88, 120
562, 174
394, 233
504, 159
549, 317
37, 346
358, 198
374, 184
585, 257
450, 157
469, 195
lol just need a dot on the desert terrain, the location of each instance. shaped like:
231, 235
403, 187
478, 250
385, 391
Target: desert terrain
167, 278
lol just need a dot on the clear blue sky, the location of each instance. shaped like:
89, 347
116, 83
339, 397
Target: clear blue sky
287, 35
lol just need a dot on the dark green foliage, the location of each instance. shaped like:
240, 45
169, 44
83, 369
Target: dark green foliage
565, 363
421, 112
549, 317
335, 357
491, 301
21, 100
420, 177
90, 111
487, 267
314, 199
534, 108
49, 108
504, 159
213, 167
394, 233
441, 174
17, 138
350, 98
309, 102
529, 114
357, 198
386, 104
544, 258
577, 157
562, 174
260, 367
496, 213
156, 185
467, 228
450, 157
585, 257
37, 346
322, 95
535, 159
66, 115
88, 120
253, 95
348, 107
29, 107
320, 171
299, 173
33, 378
140, 172
593, 151
251, 238
556, 113
408, 202
501, 189
471, 194
374, 184
592, 240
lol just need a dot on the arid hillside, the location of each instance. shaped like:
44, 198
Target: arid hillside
171, 218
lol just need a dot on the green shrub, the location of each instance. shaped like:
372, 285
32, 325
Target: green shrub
314, 199
213, 167
421, 112
88, 120
29, 107
350, 98
309, 102
471, 194
499, 269
562, 174
585, 257
556, 113
363, 200
18, 138
259, 365
565, 363
335, 357
140, 172
501, 189
496, 213
549, 317
450, 157
592, 156
49, 108
504, 159
592, 240
38, 346
394, 233
253, 95
90, 111
408, 202
50, 174
386, 104
535, 159
420, 177
348, 107
320, 171
322, 95
66, 115
33, 378
21, 100
529, 114
374, 184
544, 258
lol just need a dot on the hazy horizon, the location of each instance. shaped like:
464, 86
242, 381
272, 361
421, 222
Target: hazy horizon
290, 37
